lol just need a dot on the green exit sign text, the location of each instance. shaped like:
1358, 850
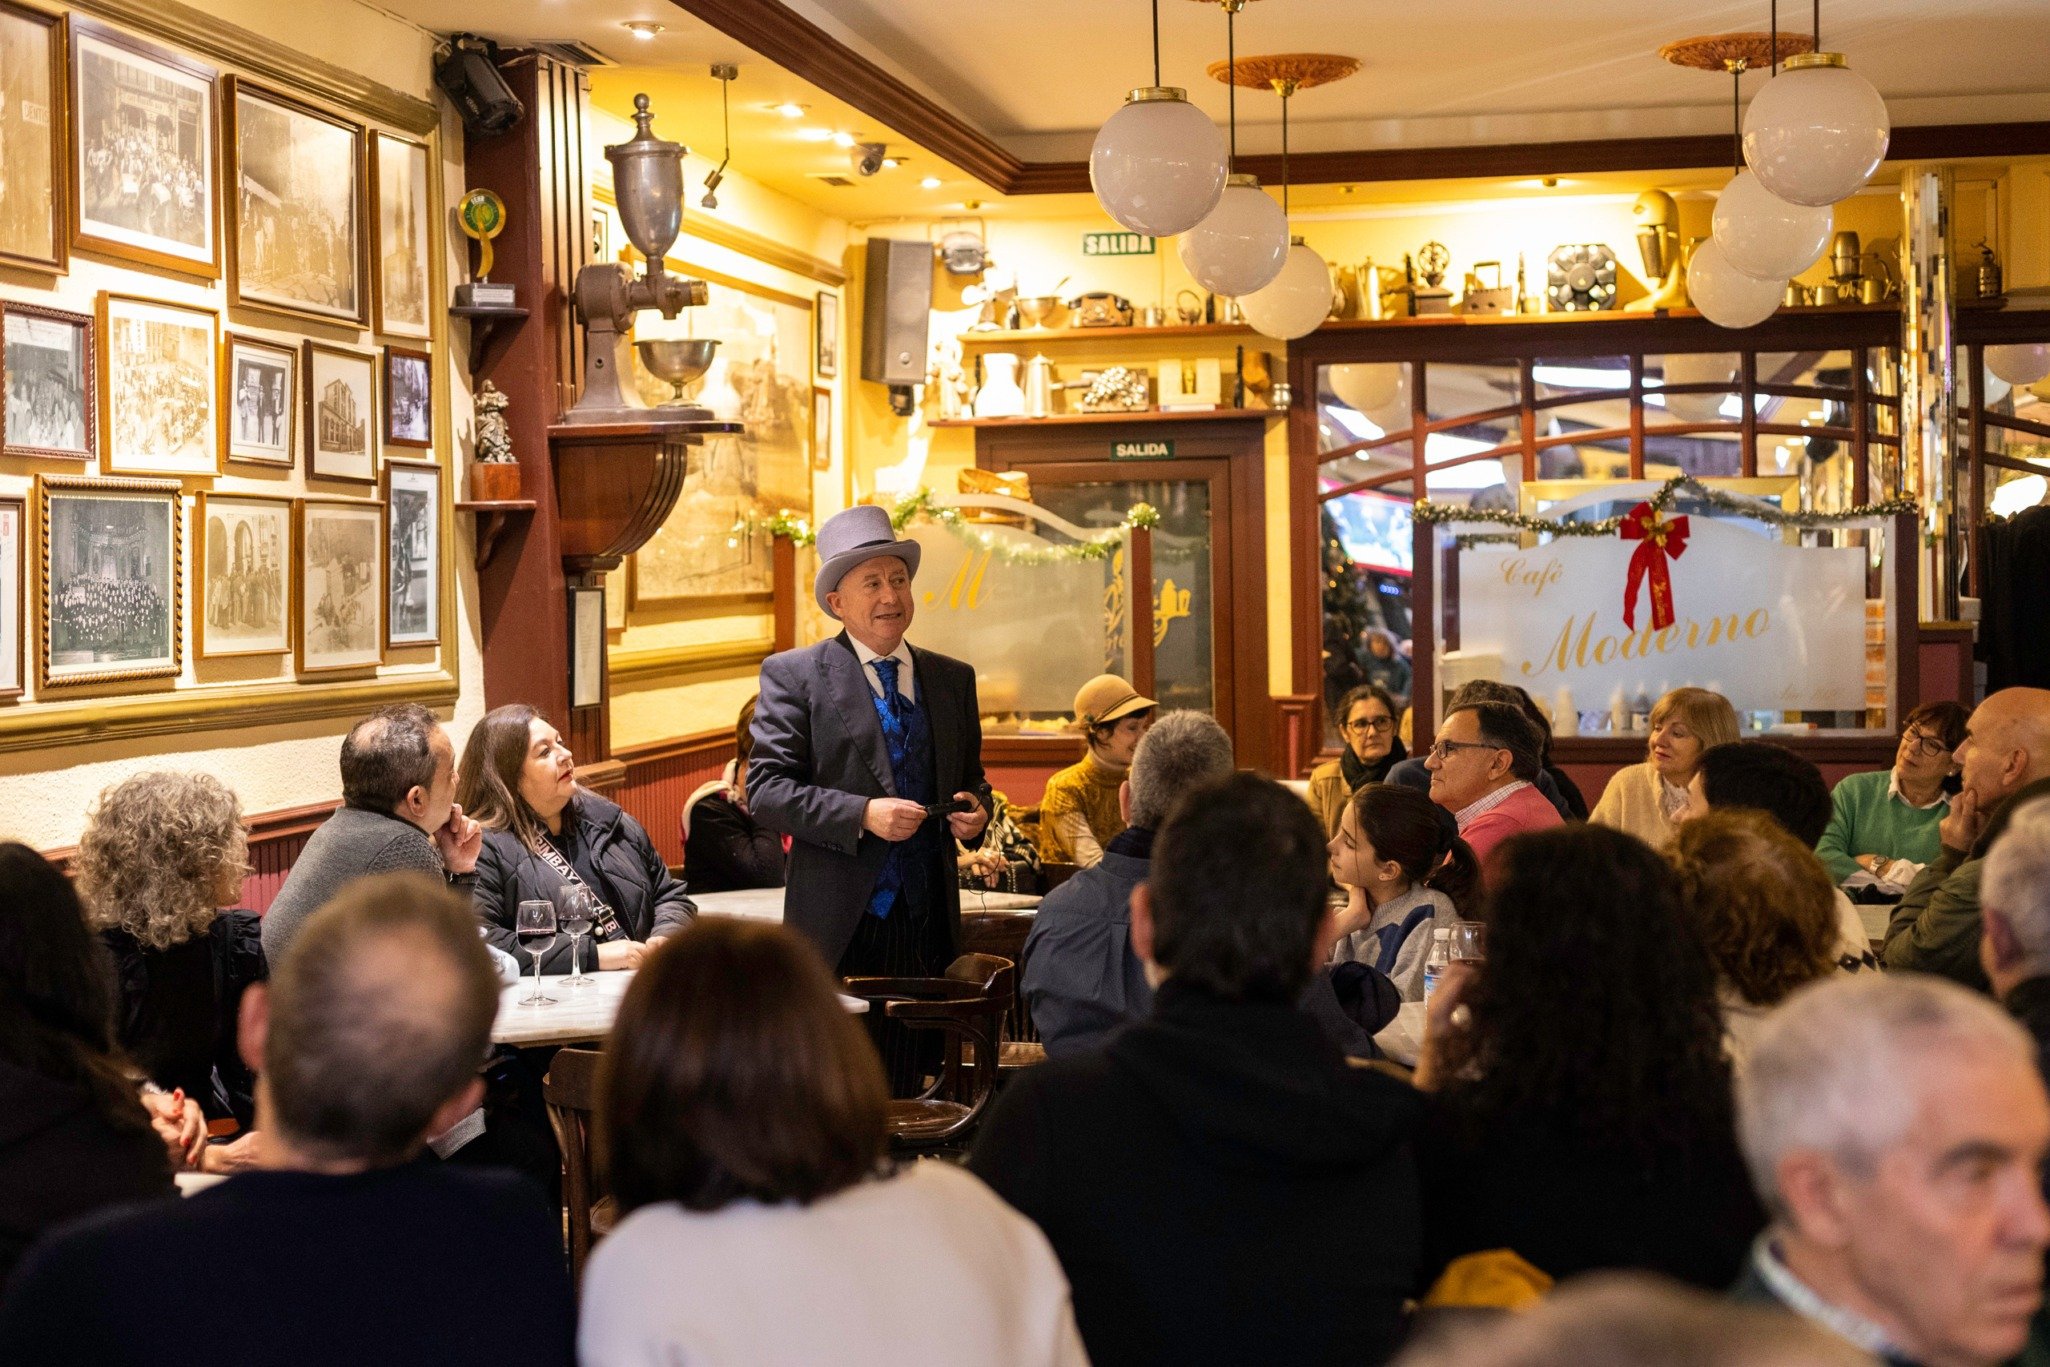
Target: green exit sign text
1142, 450
1117, 244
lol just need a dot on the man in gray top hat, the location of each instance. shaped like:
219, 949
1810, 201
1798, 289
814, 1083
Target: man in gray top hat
855, 738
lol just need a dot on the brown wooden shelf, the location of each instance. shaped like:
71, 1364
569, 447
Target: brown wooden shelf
486, 323
1154, 415
493, 517
1039, 336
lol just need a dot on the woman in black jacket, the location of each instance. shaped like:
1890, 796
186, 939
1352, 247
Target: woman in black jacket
545, 838
73, 1133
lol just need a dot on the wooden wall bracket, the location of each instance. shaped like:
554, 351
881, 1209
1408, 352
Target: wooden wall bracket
615, 483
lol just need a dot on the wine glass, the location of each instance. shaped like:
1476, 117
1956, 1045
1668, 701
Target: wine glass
1469, 941
536, 928
577, 915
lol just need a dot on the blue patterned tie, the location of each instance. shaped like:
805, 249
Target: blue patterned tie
890, 712
893, 701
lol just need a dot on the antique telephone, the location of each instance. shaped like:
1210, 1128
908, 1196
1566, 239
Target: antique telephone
1100, 309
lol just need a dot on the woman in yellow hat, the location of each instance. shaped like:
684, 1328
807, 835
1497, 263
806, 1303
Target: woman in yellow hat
1079, 813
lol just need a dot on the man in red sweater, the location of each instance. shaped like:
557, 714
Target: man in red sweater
1482, 770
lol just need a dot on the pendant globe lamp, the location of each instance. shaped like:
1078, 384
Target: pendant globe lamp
1759, 233
1159, 163
1298, 299
1725, 295
2019, 363
1243, 243
1818, 130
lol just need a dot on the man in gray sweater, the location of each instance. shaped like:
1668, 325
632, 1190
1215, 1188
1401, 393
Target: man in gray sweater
398, 812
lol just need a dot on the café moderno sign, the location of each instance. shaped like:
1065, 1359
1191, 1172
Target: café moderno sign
1772, 626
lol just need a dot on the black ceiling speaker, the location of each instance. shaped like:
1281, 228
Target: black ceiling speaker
467, 72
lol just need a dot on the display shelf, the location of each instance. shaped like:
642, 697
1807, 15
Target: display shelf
1154, 415
485, 324
1042, 336
493, 517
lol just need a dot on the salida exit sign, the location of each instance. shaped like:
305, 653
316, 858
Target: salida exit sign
1142, 450
1117, 244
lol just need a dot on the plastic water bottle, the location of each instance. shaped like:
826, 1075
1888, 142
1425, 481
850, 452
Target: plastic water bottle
1436, 960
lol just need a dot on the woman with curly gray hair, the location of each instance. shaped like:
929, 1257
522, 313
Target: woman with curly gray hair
161, 855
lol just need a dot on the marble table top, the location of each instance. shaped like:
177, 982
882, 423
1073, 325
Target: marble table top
578, 1014
1402, 1039
766, 904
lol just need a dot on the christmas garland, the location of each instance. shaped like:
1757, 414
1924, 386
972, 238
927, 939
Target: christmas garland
921, 503
1430, 512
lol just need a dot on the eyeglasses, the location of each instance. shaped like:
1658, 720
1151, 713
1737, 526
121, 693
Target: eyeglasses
1925, 744
1440, 749
1375, 724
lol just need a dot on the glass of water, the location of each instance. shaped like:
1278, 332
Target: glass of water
575, 920
537, 932
1469, 941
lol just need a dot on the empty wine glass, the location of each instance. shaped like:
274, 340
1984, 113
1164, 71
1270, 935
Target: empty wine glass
578, 912
536, 928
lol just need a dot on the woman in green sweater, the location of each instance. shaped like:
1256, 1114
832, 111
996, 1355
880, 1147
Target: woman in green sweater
1885, 817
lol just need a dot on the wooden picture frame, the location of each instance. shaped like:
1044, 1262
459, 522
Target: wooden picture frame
106, 608
147, 431
402, 251
39, 181
23, 326
821, 427
103, 219
268, 217
231, 579
339, 539
826, 343
413, 492
333, 420
259, 425
408, 397
14, 599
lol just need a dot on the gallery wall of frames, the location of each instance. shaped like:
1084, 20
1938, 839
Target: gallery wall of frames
225, 476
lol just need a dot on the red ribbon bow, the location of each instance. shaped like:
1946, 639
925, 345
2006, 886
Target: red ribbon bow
1658, 540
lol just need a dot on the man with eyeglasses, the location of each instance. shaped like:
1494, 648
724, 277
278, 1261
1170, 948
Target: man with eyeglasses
2004, 761
1483, 769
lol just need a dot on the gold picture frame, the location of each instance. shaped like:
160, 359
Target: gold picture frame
83, 388
105, 566
36, 184
143, 411
224, 580
329, 630
401, 183
269, 226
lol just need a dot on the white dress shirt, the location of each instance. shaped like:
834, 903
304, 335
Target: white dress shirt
902, 655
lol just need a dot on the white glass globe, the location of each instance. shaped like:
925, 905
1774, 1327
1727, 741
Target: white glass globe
1816, 132
1725, 295
1699, 367
1764, 236
2019, 363
1295, 301
1158, 165
1365, 386
1241, 245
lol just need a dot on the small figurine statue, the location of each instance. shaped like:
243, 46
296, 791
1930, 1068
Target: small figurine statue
494, 438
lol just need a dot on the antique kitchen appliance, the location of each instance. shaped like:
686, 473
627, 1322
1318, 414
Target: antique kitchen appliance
1580, 278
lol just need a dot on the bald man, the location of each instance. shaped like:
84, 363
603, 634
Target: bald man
2005, 759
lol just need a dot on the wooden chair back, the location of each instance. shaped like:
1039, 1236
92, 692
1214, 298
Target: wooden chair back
571, 1091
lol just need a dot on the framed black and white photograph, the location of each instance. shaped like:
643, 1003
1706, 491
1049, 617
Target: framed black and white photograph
243, 591
341, 586
398, 180
296, 214
826, 347
110, 567
32, 139
341, 413
143, 152
408, 397
159, 388
412, 548
259, 402
13, 597
48, 396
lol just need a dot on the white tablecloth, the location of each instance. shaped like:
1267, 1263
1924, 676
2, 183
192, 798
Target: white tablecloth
1402, 1039
578, 1013
766, 904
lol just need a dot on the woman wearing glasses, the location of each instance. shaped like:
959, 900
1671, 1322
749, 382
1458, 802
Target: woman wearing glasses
1366, 728
1885, 822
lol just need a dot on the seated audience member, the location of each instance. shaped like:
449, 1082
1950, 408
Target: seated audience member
1885, 822
366, 1041
1559, 790
2015, 948
2004, 760
545, 838
1008, 856
73, 1133
1080, 974
1406, 872
1368, 749
397, 813
1646, 800
1769, 778
1766, 908
1218, 1183
724, 847
741, 1113
161, 855
1582, 1112
1629, 1319
1078, 814
1896, 1127
1482, 766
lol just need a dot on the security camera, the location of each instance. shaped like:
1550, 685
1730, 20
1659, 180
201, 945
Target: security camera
868, 157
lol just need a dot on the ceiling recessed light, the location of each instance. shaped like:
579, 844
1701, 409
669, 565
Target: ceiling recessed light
790, 111
843, 140
643, 29
891, 163
814, 134
929, 183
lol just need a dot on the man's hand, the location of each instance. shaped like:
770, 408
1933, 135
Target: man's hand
621, 954
1960, 830
967, 825
459, 838
893, 818
177, 1120
244, 1153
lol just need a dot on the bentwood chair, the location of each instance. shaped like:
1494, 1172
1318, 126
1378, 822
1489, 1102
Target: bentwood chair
571, 1092
1002, 933
967, 1006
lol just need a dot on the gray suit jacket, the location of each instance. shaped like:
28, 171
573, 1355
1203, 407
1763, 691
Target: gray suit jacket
819, 756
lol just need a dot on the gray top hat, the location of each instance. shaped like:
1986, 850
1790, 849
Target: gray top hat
847, 539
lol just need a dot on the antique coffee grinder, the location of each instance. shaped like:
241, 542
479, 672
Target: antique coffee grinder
647, 178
